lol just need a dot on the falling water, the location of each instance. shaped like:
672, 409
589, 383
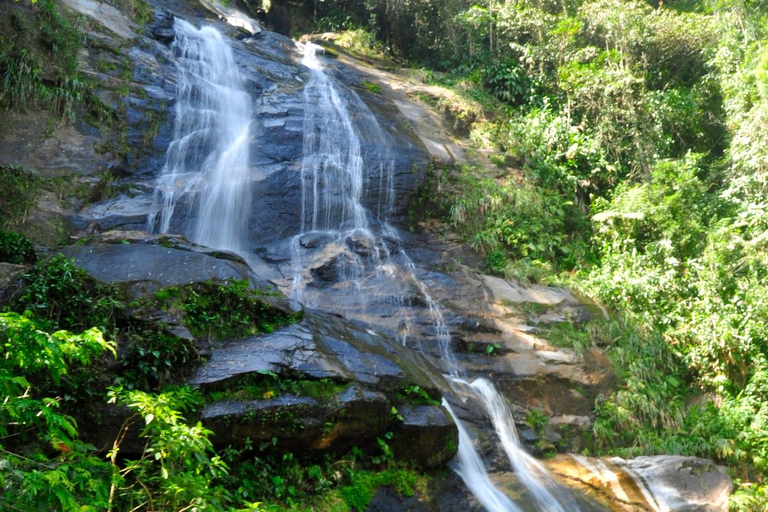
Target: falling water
332, 184
208, 157
472, 471
531, 473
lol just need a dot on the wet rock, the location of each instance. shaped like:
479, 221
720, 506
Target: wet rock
387, 500
426, 434
361, 244
321, 346
449, 494
332, 270
666, 482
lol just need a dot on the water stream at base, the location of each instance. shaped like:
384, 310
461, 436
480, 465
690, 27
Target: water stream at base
208, 158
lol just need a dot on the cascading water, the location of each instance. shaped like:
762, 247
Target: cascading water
332, 189
531, 473
208, 158
471, 469
371, 262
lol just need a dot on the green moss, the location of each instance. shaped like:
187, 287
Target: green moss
371, 87
267, 385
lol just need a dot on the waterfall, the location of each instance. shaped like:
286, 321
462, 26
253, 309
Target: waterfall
208, 158
332, 189
531, 473
472, 471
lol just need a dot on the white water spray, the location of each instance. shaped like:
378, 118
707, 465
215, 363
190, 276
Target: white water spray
208, 157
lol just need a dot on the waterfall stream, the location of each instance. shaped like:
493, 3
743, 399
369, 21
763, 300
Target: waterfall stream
332, 188
208, 157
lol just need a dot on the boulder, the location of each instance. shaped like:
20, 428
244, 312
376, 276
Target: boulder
143, 268
375, 370
666, 482
322, 346
426, 434
353, 417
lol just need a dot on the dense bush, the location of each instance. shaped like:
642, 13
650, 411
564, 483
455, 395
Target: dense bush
68, 298
16, 248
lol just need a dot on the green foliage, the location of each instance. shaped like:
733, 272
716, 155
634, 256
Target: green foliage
16, 248
519, 221
19, 190
44, 37
67, 298
153, 357
44, 466
415, 395
226, 310
508, 82
179, 463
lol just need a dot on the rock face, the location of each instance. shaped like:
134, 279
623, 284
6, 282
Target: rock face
662, 483
142, 269
275, 80
373, 372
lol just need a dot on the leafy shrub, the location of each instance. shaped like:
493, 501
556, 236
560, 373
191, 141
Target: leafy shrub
19, 190
45, 466
153, 357
177, 468
16, 248
508, 82
223, 310
68, 298
517, 221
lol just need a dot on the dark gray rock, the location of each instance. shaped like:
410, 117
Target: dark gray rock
387, 500
353, 417
10, 281
322, 345
143, 269
427, 434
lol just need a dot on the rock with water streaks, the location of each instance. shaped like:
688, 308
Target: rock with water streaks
669, 483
